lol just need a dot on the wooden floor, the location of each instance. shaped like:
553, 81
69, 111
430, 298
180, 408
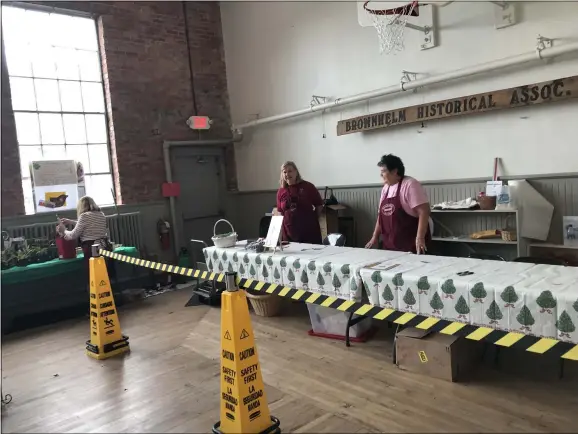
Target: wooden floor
170, 381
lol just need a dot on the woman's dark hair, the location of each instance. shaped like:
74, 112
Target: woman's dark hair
391, 163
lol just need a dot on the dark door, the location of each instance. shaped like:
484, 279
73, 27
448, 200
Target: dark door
200, 173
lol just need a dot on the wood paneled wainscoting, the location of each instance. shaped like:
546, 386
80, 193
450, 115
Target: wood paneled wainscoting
561, 191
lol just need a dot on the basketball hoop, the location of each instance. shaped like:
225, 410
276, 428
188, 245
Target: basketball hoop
390, 24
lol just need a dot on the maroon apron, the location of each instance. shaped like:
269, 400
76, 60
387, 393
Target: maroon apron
398, 228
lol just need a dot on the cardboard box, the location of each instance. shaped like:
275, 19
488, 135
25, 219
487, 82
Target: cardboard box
436, 355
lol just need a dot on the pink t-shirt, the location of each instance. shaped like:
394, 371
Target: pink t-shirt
412, 194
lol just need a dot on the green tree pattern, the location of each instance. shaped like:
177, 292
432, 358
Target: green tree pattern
423, 285
265, 273
376, 279
575, 305
242, 270
409, 299
221, 267
462, 308
546, 301
283, 263
304, 279
246, 259
224, 256
387, 296
345, 270
397, 281
509, 296
252, 271
235, 257
353, 286
336, 282
494, 313
296, 265
525, 319
258, 260
312, 267
320, 280
230, 268
436, 304
270, 261
291, 277
327, 268
210, 265
479, 292
565, 325
448, 288
276, 275
215, 255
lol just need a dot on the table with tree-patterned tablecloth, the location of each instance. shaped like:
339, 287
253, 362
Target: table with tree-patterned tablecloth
327, 270
540, 300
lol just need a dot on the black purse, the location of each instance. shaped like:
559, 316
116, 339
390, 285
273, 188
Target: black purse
331, 200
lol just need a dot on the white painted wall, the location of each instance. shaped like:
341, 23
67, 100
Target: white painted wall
279, 54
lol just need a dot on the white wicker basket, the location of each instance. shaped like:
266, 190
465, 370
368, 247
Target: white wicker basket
224, 240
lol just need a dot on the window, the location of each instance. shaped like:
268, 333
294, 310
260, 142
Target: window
57, 95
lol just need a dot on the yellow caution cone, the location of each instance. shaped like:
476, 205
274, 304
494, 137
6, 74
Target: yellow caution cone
244, 407
106, 339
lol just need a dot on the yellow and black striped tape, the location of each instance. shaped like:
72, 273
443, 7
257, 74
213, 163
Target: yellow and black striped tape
533, 344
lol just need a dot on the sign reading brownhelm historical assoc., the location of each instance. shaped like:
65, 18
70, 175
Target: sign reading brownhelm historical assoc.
531, 94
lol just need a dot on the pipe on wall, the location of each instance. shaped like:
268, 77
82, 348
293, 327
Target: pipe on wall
538, 54
167, 145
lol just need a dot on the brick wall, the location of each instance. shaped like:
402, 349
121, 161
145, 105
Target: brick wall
147, 73
12, 199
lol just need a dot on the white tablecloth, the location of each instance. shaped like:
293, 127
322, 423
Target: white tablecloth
323, 269
540, 300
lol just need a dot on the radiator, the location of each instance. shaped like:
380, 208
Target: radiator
122, 229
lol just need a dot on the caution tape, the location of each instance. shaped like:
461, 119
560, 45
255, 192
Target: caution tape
533, 344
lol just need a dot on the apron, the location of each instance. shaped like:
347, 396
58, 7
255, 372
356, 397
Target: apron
398, 228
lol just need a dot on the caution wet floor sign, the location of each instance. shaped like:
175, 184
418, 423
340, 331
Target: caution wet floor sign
106, 339
244, 407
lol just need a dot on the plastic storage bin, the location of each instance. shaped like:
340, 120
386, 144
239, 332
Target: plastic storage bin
331, 323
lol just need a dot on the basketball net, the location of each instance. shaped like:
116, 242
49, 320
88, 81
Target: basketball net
390, 25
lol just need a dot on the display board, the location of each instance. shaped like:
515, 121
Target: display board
55, 185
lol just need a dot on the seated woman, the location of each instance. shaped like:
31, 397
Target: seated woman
300, 204
89, 229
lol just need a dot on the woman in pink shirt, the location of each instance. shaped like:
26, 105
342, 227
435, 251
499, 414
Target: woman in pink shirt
300, 204
404, 210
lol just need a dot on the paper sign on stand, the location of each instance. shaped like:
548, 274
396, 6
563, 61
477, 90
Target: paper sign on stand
493, 188
273, 239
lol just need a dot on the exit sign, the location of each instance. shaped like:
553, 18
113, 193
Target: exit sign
199, 122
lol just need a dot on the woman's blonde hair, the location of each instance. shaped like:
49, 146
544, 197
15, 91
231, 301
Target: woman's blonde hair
85, 204
284, 166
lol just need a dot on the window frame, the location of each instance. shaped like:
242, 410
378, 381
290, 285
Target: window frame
105, 97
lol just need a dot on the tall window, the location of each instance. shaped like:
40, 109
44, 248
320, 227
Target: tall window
57, 95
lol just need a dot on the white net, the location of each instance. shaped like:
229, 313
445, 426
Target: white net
390, 26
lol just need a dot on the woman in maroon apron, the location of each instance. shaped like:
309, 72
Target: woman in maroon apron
300, 204
404, 210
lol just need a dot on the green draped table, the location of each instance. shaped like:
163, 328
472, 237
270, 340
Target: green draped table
50, 269
44, 289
